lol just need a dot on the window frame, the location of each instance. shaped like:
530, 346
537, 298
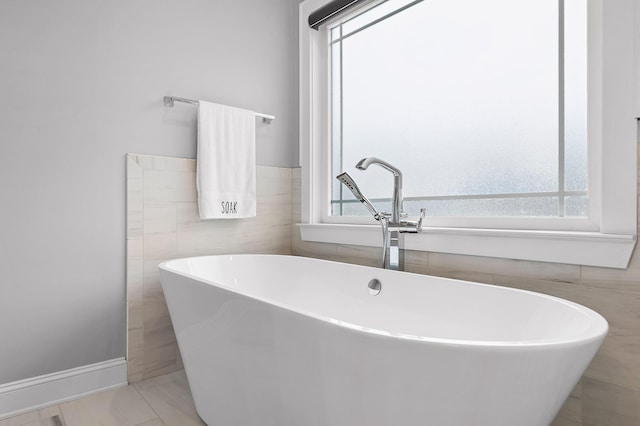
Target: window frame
606, 238
336, 36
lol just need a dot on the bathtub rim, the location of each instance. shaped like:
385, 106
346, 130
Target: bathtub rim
597, 330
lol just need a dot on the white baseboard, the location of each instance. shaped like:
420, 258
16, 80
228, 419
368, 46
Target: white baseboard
42, 391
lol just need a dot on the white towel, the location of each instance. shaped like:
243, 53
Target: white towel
226, 162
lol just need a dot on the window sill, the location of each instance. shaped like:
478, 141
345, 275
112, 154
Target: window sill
581, 248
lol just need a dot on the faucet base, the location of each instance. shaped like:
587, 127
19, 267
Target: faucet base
394, 256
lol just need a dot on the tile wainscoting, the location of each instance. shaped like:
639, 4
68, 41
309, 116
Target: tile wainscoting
163, 224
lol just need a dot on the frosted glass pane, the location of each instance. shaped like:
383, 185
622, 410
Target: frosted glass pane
338, 190
575, 91
525, 206
356, 208
463, 97
533, 206
457, 95
576, 206
335, 33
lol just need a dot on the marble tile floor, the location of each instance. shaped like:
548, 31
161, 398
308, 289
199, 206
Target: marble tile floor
160, 401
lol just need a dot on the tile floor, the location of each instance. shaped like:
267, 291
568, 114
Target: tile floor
164, 400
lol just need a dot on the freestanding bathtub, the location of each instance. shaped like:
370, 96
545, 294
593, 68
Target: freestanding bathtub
292, 341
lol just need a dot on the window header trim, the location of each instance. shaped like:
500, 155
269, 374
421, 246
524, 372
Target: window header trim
331, 9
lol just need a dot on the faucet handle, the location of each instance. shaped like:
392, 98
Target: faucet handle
382, 216
413, 226
423, 212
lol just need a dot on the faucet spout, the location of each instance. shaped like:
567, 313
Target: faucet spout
396, 208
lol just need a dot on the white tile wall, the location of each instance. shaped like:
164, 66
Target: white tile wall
163, 223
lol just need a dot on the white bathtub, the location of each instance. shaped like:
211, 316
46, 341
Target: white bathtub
291, 341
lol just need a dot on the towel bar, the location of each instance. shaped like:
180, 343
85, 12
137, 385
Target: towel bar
169, 100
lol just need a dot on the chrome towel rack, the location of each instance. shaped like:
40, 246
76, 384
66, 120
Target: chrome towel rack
169, 100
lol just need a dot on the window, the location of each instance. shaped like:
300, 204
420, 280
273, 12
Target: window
475, 109
513, 121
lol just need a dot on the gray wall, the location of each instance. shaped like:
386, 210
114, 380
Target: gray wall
81, 85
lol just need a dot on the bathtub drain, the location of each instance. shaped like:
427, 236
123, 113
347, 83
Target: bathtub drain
375, 286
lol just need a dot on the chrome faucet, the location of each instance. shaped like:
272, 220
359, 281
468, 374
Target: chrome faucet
394, 223
396, 205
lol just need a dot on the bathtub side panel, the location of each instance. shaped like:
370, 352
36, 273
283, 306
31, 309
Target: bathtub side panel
241, 363
249, 362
